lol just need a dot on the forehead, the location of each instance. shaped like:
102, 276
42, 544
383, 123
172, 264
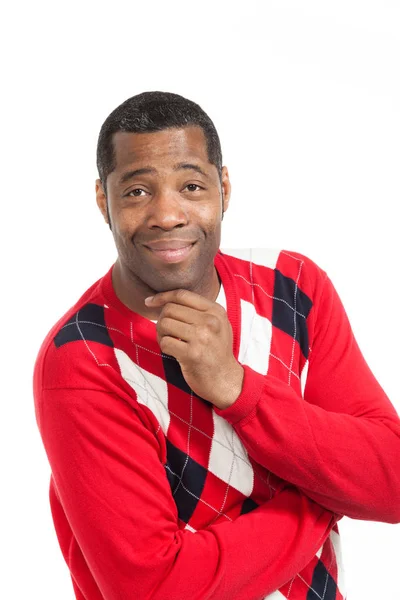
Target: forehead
166, 146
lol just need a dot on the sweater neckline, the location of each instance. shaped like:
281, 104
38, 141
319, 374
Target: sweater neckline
144, 325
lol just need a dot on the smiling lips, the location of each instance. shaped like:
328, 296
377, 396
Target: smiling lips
170, 251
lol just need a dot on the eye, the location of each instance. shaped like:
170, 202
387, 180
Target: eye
191, 187
136, 192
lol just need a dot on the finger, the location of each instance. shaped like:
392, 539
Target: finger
173, 347
179, 312
180, 296
173, 328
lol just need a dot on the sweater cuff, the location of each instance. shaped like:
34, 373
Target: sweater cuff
245, 404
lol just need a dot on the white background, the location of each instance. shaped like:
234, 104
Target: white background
305, 96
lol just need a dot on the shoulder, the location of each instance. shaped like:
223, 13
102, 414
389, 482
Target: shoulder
76, 346
292, 270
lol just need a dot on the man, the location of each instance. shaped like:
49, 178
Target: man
208, 418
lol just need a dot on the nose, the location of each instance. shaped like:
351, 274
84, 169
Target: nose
167, 210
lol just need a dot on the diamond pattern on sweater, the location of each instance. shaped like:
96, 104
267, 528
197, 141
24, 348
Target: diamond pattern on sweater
255, 339
186, 478
323, 587
88, 324
150, 389
291, 309
247, 506
228, 457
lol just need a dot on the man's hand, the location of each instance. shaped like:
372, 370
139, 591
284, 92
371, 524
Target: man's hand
198, 334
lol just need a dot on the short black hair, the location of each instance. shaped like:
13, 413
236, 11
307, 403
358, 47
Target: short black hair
149, 112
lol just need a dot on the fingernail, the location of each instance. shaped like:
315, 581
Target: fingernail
148, 299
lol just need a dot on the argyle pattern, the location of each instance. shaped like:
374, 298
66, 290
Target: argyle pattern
211, 476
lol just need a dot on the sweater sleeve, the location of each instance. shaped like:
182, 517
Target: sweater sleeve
115, 494
341, 443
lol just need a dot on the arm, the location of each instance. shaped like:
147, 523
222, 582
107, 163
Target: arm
341, 443
113, 488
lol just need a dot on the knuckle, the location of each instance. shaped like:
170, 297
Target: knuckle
167, 310
194, 354
164, 324
203, 335
164, 345
161, 321
213, 323
220, 309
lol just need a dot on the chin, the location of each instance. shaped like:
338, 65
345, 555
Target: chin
164, 282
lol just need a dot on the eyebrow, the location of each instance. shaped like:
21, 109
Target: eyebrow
148, 170
131, 174
190, 167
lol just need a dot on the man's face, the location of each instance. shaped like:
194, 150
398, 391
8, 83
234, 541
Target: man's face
165, 192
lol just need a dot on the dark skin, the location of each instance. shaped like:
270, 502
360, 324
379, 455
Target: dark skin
180, 196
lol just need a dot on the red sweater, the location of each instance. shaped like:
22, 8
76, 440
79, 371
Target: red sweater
155, 494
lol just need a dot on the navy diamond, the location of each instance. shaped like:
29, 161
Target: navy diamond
173, 375
88, 323
187, 491
247, 506
323, 585
283, 315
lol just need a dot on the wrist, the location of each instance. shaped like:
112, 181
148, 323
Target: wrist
232, 388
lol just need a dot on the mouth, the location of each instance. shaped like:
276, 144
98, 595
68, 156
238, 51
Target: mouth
171, 255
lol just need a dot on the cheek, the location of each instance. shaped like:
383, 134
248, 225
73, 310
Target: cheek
126, 223
209, 217
123, 231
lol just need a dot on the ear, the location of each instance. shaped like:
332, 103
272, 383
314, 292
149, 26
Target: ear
226, 189
101, 200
